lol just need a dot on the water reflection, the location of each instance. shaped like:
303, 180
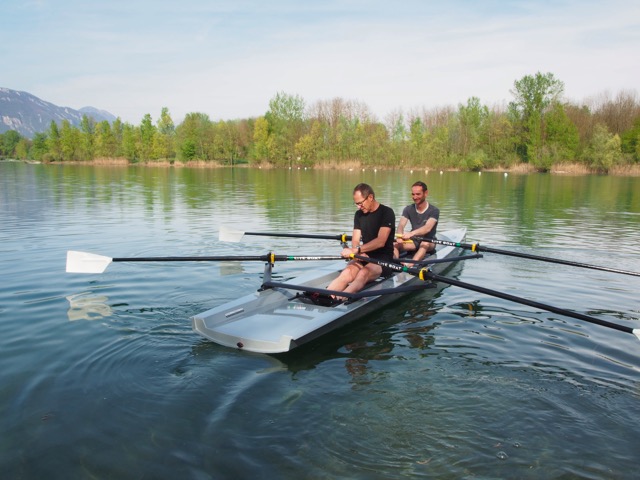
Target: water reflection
370, 339
88, 306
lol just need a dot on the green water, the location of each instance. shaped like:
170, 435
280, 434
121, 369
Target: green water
102, 376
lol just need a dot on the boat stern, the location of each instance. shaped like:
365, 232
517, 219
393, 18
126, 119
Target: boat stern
283, 344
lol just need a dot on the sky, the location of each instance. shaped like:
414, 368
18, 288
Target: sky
228, 58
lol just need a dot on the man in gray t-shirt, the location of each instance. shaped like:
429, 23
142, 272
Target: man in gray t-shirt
424, 222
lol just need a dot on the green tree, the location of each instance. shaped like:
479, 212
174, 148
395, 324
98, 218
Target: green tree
582, 118
286, 121
532, 97
397, 137
105, 144
188, 149
604, 150
261, 141
22, 149
70, 139
10, 140
310, 144
129, 142
499, 140
438, 145
347, 145
53, 143
227, 141
39, 147
147, 131
471, 120
376, 143
194, 137
164, 136
631, 141
86, 147
562, 135
416, 132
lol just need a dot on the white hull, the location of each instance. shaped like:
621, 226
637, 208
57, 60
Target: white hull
276, 320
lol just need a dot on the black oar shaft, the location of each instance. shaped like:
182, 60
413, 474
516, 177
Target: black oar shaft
531, 303
190, 259
425, 274
261, 258
342, 237
475, 247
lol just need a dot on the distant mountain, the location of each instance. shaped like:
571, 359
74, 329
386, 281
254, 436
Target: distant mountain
28, 115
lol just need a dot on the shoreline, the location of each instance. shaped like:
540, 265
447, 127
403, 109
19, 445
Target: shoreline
568, 169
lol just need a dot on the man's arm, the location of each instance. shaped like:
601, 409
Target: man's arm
355, 243
426, 228
355, 237
401, 224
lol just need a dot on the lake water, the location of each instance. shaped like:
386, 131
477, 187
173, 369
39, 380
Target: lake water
102, 376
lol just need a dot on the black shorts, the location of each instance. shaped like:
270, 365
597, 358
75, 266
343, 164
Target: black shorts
418, 242
386, 271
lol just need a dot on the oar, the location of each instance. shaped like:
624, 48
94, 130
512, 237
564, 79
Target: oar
426, 274
227, 234
83, 262
476, 247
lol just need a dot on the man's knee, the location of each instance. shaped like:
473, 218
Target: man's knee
372, 272
428, 246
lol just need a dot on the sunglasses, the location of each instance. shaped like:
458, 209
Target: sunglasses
359, 204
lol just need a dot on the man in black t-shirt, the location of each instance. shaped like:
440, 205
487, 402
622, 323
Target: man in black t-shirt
374, 225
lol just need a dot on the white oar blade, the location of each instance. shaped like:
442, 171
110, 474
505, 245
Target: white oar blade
227, 234
83, 262
636, 332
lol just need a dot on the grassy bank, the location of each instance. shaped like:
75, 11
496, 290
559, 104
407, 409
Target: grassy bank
518, 168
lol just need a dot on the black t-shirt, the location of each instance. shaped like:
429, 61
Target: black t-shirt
370, 223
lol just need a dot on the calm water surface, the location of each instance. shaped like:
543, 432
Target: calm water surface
102, 376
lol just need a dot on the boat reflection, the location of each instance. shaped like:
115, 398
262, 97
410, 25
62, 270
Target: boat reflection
371, 338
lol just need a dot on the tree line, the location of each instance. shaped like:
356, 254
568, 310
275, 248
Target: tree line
536, 127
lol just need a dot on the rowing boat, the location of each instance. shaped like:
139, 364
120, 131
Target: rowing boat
282, 316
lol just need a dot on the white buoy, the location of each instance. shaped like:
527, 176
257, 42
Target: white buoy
505, 174
440, 172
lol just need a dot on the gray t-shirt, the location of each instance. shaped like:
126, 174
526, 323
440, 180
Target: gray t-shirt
420, 219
